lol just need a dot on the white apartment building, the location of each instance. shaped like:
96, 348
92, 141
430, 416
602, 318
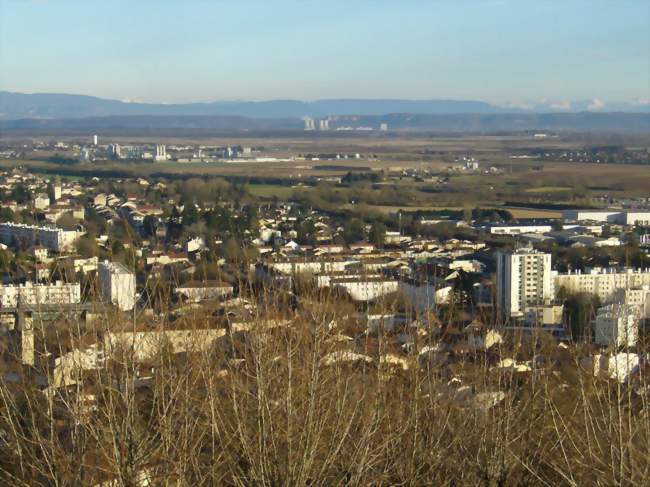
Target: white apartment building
29, 294
54, 239
524, 284
617, 325
117, 285
604, 283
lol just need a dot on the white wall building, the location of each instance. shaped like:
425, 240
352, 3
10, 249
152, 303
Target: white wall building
117, 285
29, 294
55, 239
41, 201
524, 284
518, 229
604, 283
622, 217
365, 289
196, 291
617, 325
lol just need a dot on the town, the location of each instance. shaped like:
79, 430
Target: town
324, 243
155, 251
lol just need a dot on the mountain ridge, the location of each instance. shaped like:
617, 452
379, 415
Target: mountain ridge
15, 106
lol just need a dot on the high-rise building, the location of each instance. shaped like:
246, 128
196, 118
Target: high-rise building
161, 153
115, 151
309, 124
117, 285
524, 285
95, 140
324, 124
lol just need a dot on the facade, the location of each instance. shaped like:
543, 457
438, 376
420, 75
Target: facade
117, 285
617, 325
54, 239
309, 124
604, 283
161, 153
29, 294
524, 285
42, 201
622, 217
362, 289
519, 229
201, 291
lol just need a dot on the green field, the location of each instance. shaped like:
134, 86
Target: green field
548, 189
270, 190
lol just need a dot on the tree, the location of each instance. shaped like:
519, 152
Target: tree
353, 231
149, 225
377, 234
232, 251
50, 193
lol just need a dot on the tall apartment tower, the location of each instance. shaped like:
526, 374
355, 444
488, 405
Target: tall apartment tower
324, 124
524, 284
117, 285
95, 140
309, 124
161, 152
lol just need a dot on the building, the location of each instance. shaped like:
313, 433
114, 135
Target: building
54, 239
309, 123
524, 285
117, 285
161, 153
604, 283
519, 229
115, 151
621, 217
324, 124
383, 127
29, 294
196, 291
617, 325
95, 140
57, 192
40, 253
41, 201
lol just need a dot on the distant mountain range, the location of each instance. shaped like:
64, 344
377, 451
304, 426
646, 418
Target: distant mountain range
48, 105
56, 112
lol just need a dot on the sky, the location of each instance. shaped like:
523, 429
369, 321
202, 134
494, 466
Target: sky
507, 52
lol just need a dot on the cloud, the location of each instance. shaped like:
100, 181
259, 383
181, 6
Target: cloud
596, 104
561, 105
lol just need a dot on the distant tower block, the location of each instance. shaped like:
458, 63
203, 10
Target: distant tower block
383, 127
95, 140
309, 124
324, 124
161, 153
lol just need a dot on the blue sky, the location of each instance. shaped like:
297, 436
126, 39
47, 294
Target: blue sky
500, 51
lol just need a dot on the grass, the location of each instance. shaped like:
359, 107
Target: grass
270, 190
548, 189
